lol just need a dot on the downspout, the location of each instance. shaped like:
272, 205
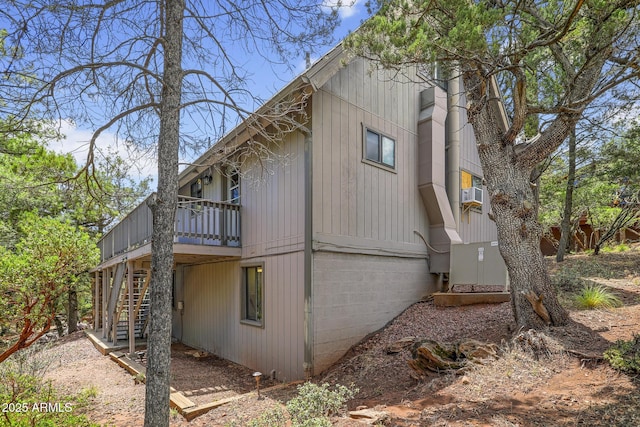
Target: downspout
308, 259
453, 153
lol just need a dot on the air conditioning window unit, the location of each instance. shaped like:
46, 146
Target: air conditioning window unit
472, 196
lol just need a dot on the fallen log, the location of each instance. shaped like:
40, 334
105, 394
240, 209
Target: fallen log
432, 356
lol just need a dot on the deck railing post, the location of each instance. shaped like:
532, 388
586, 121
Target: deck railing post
223, 225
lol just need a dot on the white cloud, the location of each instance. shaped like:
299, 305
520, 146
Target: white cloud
347, 8
76, 142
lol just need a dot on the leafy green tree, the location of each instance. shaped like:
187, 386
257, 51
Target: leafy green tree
604, 186
618, 164
553, 60
30, 180
50, 258
34, 179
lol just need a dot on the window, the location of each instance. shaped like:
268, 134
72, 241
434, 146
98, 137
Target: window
234, 188
196, 188
252, 295
467, 180
434, 73
379, 148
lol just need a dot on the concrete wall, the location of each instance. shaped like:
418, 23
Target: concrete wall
354, 295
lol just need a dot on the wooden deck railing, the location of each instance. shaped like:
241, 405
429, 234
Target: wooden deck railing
198, 221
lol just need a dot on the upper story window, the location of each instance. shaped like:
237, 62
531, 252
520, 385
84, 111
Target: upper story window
468, 180
233, 188
379, 148
196, 188
434, 73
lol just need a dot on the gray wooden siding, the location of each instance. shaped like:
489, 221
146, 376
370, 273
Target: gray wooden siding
272, 207
355, 295
356, 199
475, 226
211, 191
211, 319
272, 200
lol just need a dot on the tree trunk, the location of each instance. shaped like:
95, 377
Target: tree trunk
533, 297
72, 314
59, 326
164, 211
565, 225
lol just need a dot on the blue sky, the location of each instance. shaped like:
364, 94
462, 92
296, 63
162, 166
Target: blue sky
265, 80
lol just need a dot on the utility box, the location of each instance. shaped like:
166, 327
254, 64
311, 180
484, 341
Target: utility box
477, 264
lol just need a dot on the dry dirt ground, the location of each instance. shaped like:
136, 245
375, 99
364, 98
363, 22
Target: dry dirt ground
572, 386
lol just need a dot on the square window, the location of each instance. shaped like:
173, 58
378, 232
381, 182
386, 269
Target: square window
379, 148
252, 295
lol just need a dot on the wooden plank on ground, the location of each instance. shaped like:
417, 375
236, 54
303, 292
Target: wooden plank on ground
133, 367
97, 343
180, 402
196, 411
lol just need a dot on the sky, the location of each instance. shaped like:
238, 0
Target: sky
266, 81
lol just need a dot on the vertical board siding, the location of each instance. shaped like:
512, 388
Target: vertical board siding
272, 199
211, 319
475, 226
272, 203
352, 198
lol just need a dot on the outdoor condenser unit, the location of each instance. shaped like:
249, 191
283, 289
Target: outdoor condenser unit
472, 195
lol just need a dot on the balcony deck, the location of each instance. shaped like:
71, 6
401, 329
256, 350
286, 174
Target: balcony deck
203, 229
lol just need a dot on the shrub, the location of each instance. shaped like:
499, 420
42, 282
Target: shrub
596, 296
272, 418
316, 403
625, 355
617, 248
28, 400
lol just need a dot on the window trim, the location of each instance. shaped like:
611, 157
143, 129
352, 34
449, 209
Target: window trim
479, 180
381, 135
197, 187
228, 186
243, 295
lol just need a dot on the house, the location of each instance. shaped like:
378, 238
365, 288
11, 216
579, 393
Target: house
284, 271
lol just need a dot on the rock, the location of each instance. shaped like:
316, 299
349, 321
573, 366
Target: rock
369, 416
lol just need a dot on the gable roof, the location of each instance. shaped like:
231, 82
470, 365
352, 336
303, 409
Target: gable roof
311, 80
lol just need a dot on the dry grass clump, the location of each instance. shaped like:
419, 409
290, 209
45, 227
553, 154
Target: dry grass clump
524, 363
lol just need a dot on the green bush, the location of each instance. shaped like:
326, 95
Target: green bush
625, 355
316, 403
272, 418
596, 296
28, 400
617, 248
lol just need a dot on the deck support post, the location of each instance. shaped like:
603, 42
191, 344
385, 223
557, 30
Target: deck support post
105, 292
130, 311
96, 303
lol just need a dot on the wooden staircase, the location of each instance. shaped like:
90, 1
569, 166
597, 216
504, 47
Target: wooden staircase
120, 309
